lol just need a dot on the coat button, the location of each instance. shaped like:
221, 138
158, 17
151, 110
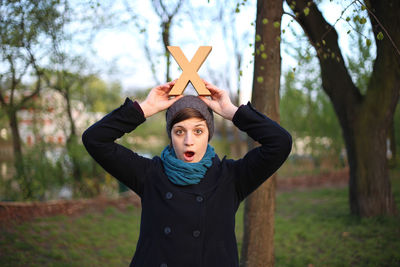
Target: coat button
196, 233
199, 199
163, 265
168, 195
167, 230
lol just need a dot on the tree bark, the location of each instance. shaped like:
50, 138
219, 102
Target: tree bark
258, 240
17, 149
72, 140
365, 119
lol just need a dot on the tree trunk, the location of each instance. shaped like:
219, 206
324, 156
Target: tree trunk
365, 119
16, 138
71, 142
23, 180
258, 240
12, 115
392, 144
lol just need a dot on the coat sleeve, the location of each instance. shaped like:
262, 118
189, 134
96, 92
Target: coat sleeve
261, 162
122, 163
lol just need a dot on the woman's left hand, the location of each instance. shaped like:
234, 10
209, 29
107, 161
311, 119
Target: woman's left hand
219, 102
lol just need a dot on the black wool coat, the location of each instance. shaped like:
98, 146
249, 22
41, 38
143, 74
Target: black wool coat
191, 225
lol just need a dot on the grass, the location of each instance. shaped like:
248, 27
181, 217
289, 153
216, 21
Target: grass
312, 228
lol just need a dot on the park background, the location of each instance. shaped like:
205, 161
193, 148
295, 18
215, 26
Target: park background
65, 64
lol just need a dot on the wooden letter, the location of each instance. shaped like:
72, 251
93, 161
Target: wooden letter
189, 70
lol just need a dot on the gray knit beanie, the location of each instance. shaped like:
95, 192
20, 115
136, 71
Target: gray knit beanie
190, 101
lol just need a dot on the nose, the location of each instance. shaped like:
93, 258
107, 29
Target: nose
188, 141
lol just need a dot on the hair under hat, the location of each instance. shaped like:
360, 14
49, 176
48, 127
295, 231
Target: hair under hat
190, 101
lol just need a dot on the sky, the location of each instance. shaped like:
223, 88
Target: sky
121, 49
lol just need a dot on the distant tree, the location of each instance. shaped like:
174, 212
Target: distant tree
365, 117
167, 12
28, 29
70, 78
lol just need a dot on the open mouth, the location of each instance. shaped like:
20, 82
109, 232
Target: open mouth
189, 155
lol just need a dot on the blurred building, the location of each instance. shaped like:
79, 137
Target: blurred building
44, 119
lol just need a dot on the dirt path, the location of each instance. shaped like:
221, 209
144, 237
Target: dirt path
338, 178
11, 212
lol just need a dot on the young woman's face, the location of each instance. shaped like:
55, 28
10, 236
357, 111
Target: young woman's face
190, 139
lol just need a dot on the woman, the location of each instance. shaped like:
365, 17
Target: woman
189, 196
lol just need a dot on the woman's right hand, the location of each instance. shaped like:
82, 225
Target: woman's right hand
158, 99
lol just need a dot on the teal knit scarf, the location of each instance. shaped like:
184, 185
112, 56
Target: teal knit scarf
185, 173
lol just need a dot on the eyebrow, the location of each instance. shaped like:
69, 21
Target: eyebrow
197, 125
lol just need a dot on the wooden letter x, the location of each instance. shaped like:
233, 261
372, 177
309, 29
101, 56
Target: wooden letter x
189, 70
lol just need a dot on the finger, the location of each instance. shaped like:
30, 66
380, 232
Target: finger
214, 93
213, 88
167, 86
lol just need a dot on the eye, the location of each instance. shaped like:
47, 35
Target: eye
198, 131
179, 132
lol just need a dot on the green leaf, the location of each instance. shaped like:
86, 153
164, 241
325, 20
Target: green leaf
277, 24
380, 36
264, 56
306, 11
260, 79
363, 7
348, 19
323, 42
262, 47
368, 41
363, 20
264, 21
258, 38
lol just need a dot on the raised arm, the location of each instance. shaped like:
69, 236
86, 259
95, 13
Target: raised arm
261, 162
121, 162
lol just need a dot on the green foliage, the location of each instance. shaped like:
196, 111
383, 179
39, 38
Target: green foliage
99, 96
92, 177
25, 22
42, 172
307, 113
